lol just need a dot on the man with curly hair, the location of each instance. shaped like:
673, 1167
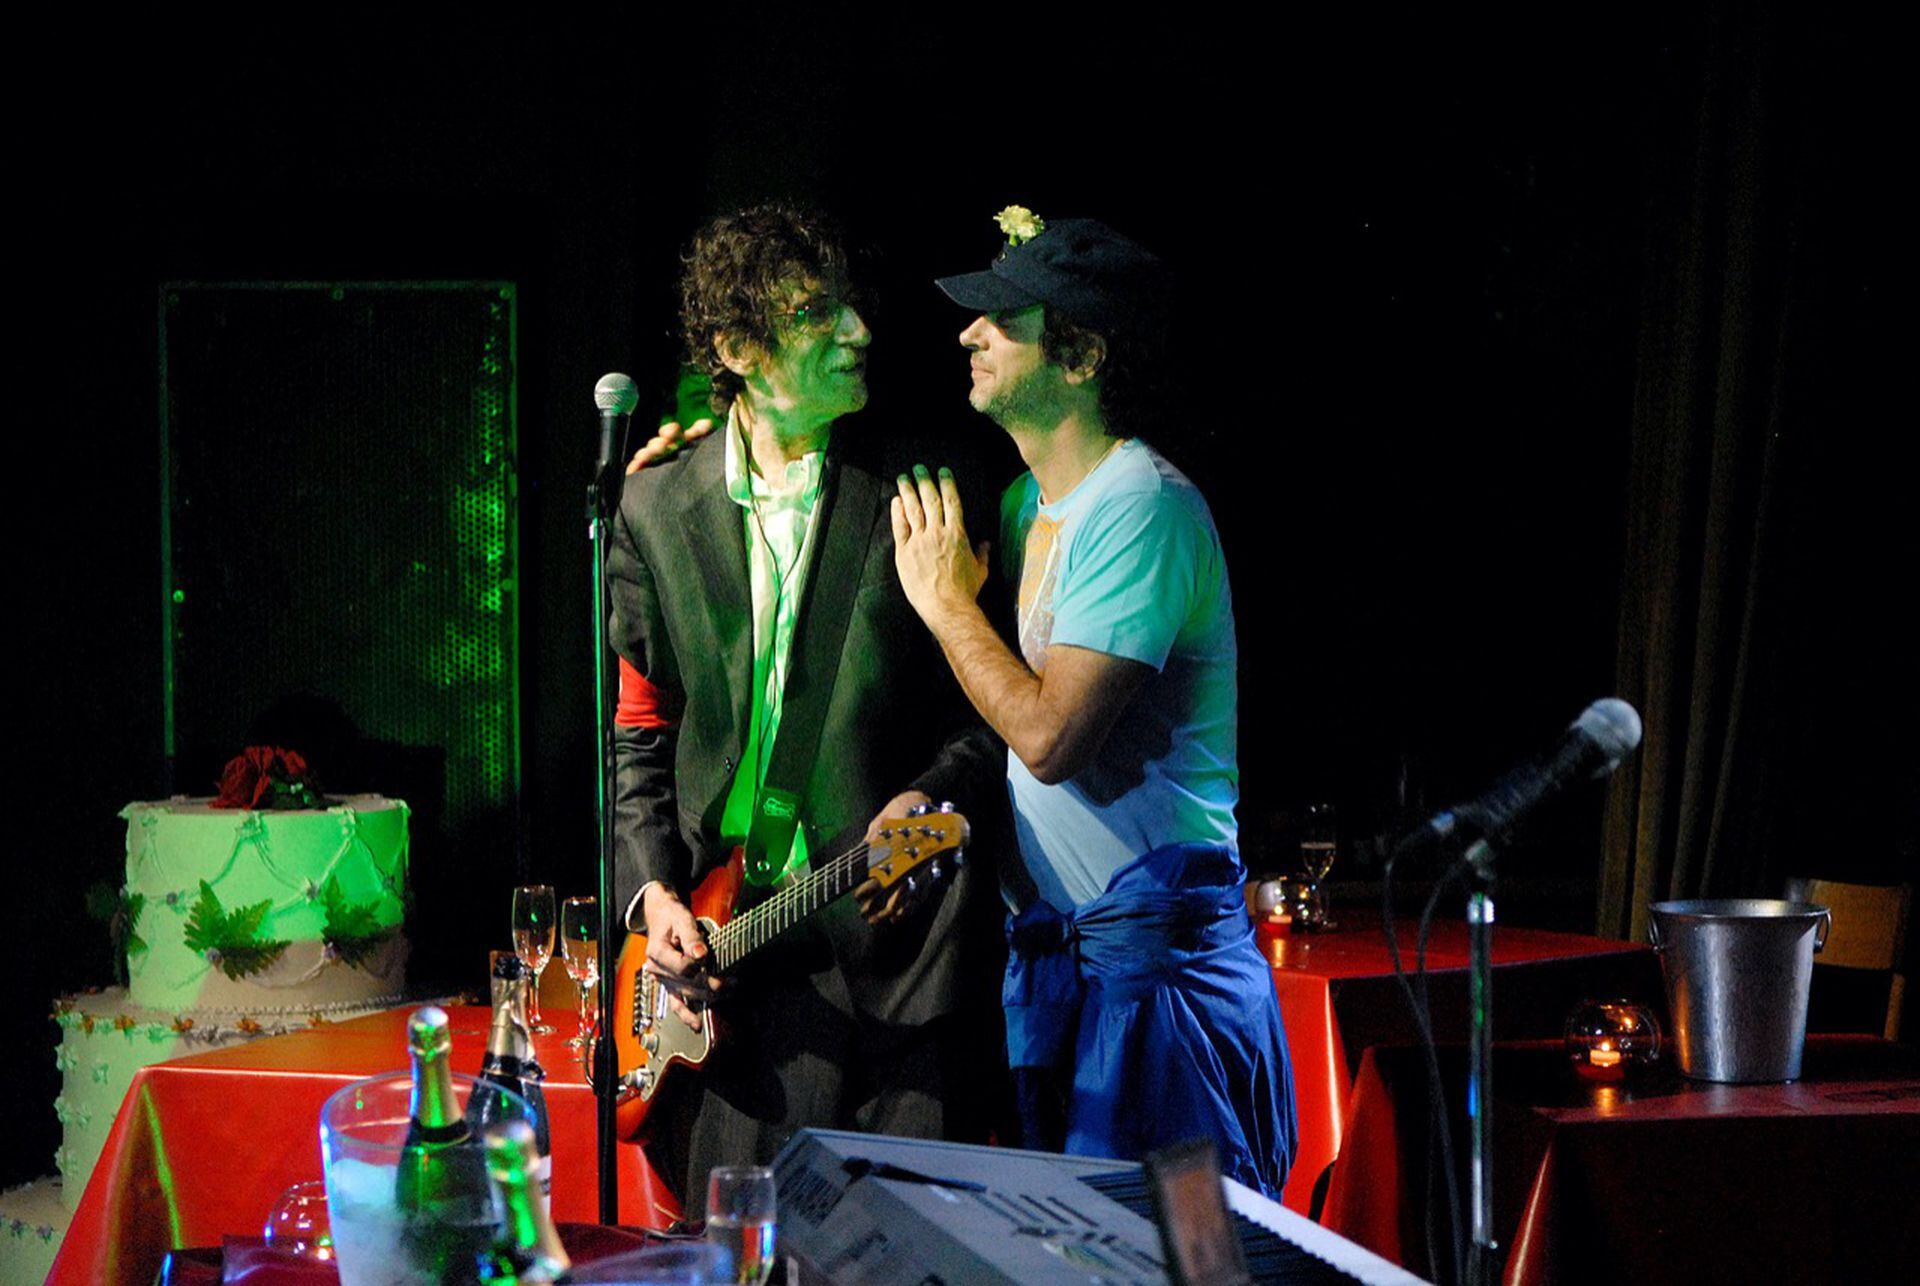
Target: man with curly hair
1139, 1011
751, 578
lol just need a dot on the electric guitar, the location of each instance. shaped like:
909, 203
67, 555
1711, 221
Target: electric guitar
649, 1038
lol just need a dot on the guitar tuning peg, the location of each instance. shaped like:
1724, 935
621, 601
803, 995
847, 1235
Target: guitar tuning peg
946, 807
912, 883
933, 872
918, 810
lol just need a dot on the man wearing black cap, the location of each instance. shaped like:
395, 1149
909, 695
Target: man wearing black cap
1134, 970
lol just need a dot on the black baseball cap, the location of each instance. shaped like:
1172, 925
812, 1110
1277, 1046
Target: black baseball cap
1079, 268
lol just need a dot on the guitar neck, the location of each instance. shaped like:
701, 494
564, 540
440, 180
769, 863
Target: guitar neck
751, 930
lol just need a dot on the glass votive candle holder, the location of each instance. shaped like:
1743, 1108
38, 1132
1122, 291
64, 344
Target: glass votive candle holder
297, 1226
1271, 902
1604, 1038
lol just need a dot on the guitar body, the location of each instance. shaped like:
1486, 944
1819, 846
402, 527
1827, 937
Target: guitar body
648, 1037
650, 1040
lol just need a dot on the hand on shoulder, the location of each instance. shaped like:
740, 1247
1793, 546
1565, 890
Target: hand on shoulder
668, 441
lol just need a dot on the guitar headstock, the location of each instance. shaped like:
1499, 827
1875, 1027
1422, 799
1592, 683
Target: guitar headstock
921, 839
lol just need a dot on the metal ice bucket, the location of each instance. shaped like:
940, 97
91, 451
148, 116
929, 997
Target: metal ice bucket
1737, 972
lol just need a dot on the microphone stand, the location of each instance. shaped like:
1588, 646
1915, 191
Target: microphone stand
1482, 1255
1482, 1261
1594, 745
602, 502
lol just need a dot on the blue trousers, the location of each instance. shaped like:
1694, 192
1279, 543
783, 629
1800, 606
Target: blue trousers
1155, 1001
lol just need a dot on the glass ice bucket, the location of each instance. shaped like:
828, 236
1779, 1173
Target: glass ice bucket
363, 1132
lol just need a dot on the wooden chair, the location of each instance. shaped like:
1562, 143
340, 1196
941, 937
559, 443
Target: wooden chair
1869, 934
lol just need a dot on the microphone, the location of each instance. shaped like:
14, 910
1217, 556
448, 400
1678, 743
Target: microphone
1591, 748
616, 397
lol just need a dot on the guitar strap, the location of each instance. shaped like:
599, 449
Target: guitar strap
813, 666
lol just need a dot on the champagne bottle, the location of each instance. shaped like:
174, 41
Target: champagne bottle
428, 1179
439, 1177
528, 1249
510, 1065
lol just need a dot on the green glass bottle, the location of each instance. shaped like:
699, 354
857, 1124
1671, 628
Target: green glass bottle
440, 1186
528, 1249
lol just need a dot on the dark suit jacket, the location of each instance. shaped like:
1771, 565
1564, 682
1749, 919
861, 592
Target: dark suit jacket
677, 576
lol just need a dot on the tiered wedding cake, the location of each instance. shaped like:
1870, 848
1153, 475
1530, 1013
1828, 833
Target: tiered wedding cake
235, 923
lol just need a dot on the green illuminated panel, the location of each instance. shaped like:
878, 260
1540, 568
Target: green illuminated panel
340, 522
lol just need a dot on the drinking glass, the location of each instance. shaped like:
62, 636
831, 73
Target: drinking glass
1318, 849
297, 1225
740, 1221
580, 947
533, 934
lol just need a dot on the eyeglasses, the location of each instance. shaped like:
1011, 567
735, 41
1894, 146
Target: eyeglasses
820, 314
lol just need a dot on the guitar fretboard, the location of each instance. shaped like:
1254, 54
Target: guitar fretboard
753, 929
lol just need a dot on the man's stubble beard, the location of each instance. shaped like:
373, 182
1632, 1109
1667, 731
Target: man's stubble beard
1019, 406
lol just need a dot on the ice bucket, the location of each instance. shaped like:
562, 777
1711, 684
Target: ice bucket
1737, 972
363, 1131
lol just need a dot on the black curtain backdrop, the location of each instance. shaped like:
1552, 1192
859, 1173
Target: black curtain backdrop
1760, 630
1435, 270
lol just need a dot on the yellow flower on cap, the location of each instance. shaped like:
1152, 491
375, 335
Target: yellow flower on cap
1020, 224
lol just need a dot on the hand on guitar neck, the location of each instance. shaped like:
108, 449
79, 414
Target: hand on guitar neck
877, 903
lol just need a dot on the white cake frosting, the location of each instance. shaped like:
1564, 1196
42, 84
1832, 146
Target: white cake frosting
297, 863
104, 1040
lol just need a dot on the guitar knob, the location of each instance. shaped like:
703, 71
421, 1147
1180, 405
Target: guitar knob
651, 1042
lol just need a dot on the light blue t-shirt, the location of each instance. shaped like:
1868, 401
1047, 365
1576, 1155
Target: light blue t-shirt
1127, 563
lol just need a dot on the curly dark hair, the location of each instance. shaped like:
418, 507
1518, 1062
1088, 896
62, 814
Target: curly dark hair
736, 272
1134, 394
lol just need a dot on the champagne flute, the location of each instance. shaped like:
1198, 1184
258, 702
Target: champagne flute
1318, 849
533, 934
580, 947
740, 1221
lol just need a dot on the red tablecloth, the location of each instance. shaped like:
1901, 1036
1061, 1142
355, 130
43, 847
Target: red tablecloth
204, 1145
1338, 997
1657, 1178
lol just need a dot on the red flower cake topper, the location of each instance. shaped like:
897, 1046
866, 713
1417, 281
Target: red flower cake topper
267, 777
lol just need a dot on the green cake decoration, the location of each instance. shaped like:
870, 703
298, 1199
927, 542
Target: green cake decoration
230, 941
353, 930
120, 912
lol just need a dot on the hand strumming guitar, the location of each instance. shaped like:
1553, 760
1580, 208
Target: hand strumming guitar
677, 955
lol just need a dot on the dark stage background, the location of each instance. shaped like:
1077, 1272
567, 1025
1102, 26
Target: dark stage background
1414, 253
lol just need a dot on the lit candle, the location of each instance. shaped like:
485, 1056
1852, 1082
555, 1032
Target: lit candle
1606, 1037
